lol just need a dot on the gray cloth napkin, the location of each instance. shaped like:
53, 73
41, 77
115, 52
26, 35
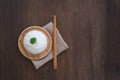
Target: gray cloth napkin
61, 46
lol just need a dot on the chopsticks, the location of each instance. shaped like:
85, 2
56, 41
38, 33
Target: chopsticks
54, 44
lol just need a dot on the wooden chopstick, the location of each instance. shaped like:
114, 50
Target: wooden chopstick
54, 44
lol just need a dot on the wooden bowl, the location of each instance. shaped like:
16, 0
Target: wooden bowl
34, 56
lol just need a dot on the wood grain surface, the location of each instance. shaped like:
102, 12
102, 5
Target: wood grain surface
90, 27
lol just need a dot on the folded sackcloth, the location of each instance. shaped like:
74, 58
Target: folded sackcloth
61, 46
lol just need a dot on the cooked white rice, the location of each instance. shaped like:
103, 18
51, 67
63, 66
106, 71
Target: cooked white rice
39, 46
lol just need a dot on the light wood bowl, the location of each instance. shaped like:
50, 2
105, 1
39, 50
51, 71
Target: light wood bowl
34, 56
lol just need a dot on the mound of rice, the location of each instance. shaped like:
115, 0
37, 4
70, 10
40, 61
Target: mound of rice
35, 42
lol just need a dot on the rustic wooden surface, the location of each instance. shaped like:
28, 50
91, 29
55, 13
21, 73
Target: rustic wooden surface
90, 27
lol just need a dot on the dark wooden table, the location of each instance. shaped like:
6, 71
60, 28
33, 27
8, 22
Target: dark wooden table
90, 27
